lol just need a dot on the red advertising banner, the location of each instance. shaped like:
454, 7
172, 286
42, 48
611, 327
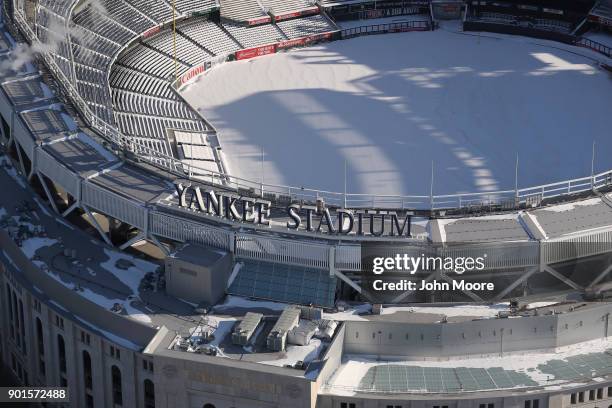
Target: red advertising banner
249, 53
601, 20
299, 13
297, 42
374, 14
260, 20
151, 31
192, 73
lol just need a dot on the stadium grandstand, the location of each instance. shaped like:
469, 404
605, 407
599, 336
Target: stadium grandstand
122, 55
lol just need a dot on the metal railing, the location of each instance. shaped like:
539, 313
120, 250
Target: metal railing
595, 46
372, 29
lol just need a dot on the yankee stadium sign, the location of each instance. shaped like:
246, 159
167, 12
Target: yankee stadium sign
299, 217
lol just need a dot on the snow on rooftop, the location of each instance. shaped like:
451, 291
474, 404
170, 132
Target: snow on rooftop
295, 353
357, 312
536, 305
352, 313
132, 276
452, 311
237, 302
31, 245
495, 217
572, 206
10, 170
105, 302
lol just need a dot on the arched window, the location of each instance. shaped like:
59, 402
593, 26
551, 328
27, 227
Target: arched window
61, 352
22, 326
208, 406
149, 394
116, 382
87, 370
40, 341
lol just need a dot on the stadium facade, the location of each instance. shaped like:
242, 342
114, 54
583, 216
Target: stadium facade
92, 124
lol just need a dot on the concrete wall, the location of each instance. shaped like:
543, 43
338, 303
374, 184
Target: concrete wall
190, 381
477, 337
333, 355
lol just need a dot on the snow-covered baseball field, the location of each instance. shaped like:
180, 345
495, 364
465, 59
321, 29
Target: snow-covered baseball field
389, 105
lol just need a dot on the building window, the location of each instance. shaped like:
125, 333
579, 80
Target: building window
115, 352
532, 404
59, 322
85, 338
10, 310
581, 396
573, 398
61, 352
40, 341
149, 394
609, 391
22, 326
147, 365
591, 395
37, 306
116, 382
87, 370
600, 393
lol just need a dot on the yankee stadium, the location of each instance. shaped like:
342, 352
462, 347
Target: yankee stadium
306, 203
